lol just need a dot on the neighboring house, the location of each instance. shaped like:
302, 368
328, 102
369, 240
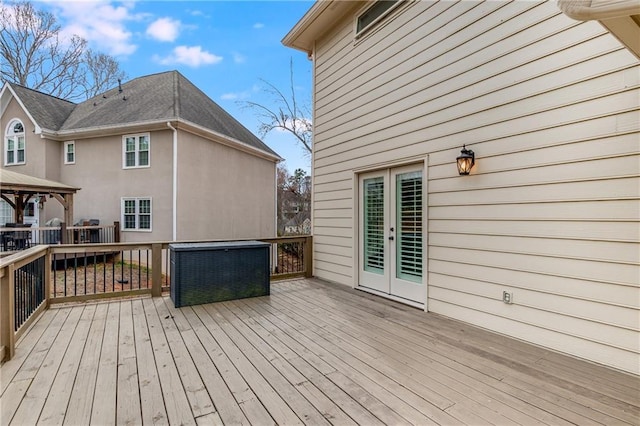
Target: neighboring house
299, 224
541, 240
156, 154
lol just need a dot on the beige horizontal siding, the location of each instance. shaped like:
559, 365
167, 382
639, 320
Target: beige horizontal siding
572, 344
551, 211
612, 293
605, 230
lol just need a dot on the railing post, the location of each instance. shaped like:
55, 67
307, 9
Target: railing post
156, 271
308, 256
7, 308
48, 265
63, 233
116, 232
3, 309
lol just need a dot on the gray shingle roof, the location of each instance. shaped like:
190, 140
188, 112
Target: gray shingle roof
164, 96
48, 111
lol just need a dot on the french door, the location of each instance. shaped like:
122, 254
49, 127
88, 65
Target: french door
391, 232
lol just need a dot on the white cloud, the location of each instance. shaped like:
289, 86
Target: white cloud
199, 13
258, 25
229, 96
192, 56
164, 29
238, 58
100, 23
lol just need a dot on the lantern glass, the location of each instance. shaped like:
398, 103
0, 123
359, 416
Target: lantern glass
465, 161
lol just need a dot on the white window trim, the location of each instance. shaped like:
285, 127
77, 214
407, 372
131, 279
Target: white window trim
137, 152
137, 214
65, 156
375, 22
12, 123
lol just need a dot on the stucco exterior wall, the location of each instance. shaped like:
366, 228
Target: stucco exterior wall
35, 151
231, 195
223, 193
103, 181
551, 210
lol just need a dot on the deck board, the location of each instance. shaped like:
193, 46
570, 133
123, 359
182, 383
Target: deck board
81, 401
176, 401
311, 353
103, 409
454, 386
56, 404
151, 402
128, 407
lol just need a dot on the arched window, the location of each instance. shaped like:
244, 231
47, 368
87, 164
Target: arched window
14, 144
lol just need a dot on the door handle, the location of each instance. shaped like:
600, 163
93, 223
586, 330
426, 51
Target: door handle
391, 238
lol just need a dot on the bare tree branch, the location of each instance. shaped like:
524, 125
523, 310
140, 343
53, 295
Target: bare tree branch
286, 114
35, 55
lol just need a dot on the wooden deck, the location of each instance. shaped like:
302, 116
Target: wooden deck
311, 353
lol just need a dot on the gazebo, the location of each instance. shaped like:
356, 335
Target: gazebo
17, 189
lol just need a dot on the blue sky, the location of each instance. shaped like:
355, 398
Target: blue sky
223, 47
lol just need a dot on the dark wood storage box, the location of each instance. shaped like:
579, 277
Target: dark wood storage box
213, 272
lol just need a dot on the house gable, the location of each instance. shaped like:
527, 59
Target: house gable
154, 100
45, 112
142, 104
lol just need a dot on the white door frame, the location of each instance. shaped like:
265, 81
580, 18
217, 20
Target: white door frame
358, 173
35, 219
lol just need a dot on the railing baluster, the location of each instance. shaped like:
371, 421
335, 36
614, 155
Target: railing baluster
104, 273
65, 274
113, 273
28, 294
139, 270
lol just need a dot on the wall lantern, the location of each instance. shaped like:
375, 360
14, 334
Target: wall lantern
465, 161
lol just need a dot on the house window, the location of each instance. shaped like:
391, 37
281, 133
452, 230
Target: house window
135, 151
374, 14
136, 214
69, 152
14, 144
6, 213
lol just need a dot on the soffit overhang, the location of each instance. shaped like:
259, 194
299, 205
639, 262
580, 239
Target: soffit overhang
318, 20
620, 17
156, 125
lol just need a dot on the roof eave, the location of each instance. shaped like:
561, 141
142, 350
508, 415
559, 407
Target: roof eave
225, 140
620, 17
3, 105
151, 125
316, 22
599, 10
106, 130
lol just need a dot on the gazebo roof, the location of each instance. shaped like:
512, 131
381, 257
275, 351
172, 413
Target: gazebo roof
21, 187
14, 182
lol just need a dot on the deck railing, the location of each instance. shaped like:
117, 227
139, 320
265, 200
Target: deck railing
22, 237
32, 279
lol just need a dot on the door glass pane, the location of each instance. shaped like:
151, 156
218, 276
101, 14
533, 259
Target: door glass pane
409, 226
373, 193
